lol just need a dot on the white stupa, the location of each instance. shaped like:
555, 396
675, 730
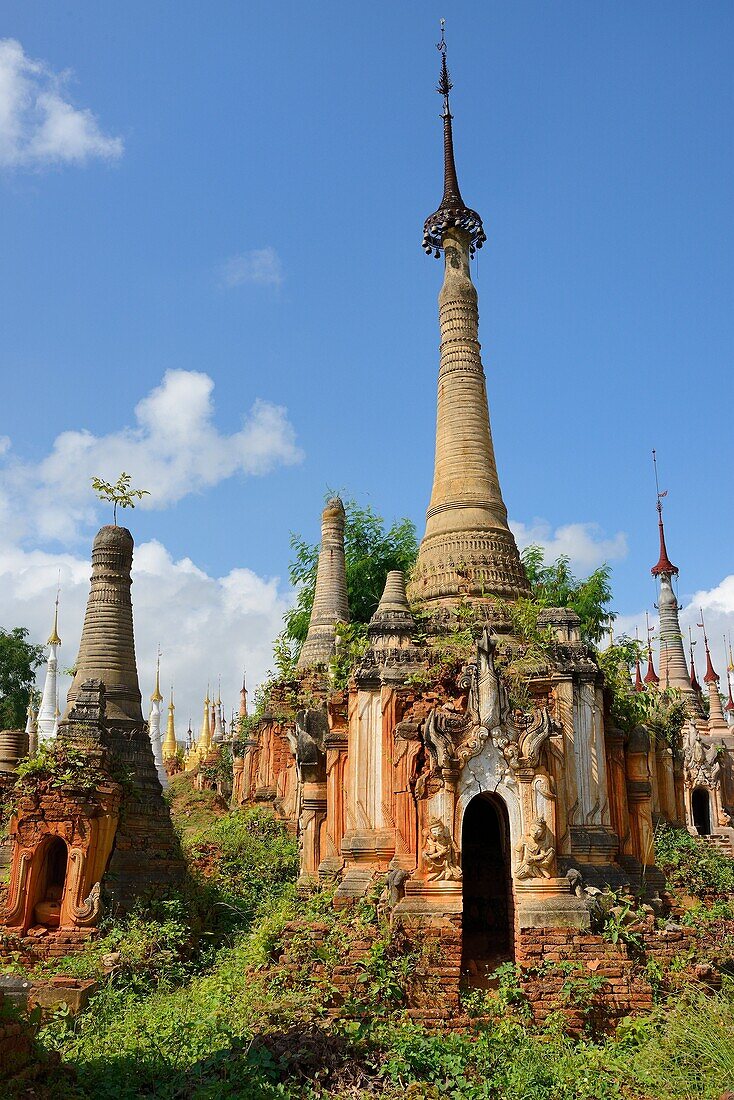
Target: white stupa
48, 712
154, 725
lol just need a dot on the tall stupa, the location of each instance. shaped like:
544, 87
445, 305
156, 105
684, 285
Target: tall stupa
468, 550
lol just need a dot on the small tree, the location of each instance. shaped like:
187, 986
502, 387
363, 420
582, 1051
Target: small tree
120, 493
18, 661
554, 585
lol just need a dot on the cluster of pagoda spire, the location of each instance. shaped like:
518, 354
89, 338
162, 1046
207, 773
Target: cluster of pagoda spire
675, 671
42, 722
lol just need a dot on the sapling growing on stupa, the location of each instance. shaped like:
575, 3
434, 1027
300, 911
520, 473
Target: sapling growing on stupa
121, 492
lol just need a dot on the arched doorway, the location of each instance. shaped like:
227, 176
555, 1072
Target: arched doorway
701, 810
51, 882
488, 917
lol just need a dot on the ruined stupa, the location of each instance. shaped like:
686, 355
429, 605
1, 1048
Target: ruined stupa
102, 834
330, 604
468, 550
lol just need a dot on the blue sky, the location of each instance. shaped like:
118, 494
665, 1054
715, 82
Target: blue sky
247, 203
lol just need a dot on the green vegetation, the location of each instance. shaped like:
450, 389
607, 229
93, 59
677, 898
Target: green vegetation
210, 1014
554, 585
19, 660
120, 493
691, 865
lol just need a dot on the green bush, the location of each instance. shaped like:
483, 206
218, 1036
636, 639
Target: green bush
692, 864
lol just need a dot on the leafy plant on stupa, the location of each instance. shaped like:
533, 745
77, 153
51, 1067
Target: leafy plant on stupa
121, 493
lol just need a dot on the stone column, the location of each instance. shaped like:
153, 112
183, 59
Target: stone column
641, 844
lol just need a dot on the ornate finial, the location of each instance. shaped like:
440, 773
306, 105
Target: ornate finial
694, 679
664, 564
711, 674
452, 213
156, 697
651, 676
53, 638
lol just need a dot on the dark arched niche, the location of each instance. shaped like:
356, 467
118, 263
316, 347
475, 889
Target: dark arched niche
701, 809
488, 918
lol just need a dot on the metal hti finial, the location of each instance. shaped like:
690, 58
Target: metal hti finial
664, 564
452, 213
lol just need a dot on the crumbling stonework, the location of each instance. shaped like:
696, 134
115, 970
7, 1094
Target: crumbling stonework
93, 830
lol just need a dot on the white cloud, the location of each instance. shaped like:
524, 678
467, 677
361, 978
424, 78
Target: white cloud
583, 543
38, 123
174, 449
206, 626
260, 265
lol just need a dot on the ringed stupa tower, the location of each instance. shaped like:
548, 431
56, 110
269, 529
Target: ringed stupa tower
330, 603
468, 549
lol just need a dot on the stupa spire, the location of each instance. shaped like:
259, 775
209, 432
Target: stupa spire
452, 212
154, 723
694, 679
729, 705
468, 550
716, 719
673, 668
47, 720
205, 735
243, 695
107, 646
330, 605
651, 676
170, 748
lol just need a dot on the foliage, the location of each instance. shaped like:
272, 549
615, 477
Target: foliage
351, 643
120, 493
371, 552
554, 585
219, 771
18, 661
691, 864
60, 766
662, 711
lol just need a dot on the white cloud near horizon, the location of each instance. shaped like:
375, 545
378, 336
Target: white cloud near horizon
207, 626
583, 543
173, 449
259, 266
39, 125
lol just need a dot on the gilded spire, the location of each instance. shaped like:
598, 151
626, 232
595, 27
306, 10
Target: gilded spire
156, 697
205, 735
452, 213
170, 747
54, 638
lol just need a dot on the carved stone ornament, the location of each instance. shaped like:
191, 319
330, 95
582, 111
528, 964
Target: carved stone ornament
453, 739
535, 852
700, 761
88, 912
440, 854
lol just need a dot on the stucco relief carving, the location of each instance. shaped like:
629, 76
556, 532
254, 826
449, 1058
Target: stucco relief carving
701, 762
440, 854
452, 739
535, 852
